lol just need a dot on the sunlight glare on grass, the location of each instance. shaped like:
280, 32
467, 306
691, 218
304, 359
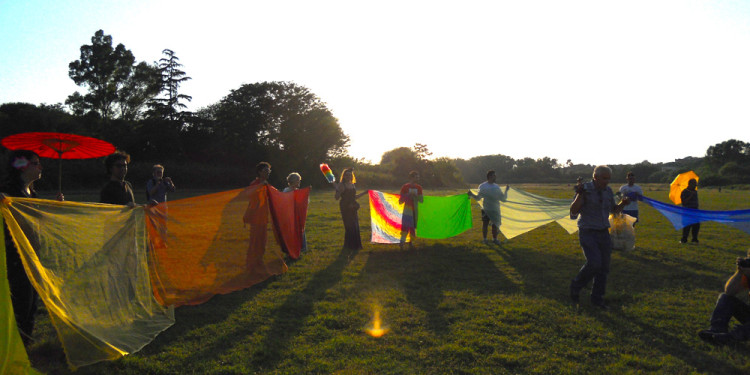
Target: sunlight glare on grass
377, 330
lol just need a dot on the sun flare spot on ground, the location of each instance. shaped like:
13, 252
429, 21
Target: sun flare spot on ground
377, 329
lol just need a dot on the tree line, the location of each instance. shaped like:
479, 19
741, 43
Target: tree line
139, 107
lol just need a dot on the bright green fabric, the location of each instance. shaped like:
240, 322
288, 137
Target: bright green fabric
523, 211
13, 358
89, 264
444, 217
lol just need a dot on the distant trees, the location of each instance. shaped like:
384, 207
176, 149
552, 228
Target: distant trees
728, 151
732, 161
280, 122
117, 87
398, 162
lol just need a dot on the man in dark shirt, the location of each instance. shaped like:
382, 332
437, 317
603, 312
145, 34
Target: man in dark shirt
689, 198
730, 304
117, 190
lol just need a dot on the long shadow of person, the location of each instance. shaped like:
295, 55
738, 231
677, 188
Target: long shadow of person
426, 276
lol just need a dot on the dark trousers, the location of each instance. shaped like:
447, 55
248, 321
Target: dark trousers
22, 294
727, 307
597, 248
694, 228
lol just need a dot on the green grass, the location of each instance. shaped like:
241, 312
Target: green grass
456, 306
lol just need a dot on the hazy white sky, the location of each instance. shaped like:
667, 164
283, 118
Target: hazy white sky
592, 81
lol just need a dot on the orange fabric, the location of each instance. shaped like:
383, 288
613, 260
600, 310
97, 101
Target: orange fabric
204, 245
289, 211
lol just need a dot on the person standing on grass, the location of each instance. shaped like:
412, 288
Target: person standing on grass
594, 202
117, 190
410, 195
492, 195
293, 182
22, 170
346, 194
158, 186
629, 190
729, 305
689, 198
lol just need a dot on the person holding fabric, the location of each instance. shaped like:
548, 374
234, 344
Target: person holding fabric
158, 186
689, 198
346, 194
257, 214
22, 170
410, 195
633, 191
117, 190
594, 202
730, 305
492, 195
293, 182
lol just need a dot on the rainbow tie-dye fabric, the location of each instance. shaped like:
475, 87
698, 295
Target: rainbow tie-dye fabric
439, 217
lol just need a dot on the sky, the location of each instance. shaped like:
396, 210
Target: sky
596, 82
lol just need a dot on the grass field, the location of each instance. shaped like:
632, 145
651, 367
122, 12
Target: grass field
456, 306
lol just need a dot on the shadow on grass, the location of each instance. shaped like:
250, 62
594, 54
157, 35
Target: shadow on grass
674, 346
190, 318
288, 317
425, 274
540, 271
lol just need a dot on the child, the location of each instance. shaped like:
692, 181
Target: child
294, 180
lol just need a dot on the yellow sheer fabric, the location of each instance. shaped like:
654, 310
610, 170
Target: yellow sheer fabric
13, 358
523, 211
89, 264
212, 244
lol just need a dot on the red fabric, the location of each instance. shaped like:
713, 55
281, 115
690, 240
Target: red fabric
289, 212
211, 244
405, 198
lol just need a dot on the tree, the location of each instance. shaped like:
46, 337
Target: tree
276, 121
169, 106
116, 87
421, 151
400, 161
475, 169
727, 151
137, 90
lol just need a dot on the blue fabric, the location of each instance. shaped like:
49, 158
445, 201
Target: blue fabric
681, 216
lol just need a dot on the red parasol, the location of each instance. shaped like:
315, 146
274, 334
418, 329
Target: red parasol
59, 146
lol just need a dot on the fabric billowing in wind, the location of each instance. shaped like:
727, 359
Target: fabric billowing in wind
89, 264
218, 243
439, 217
13, 357
681, 217
444, 217
289, 213
523, 211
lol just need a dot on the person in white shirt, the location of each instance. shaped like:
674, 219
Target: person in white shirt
492, 195
632, 207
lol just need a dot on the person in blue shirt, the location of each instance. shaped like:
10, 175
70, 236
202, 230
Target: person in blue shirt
594, 201
158, 186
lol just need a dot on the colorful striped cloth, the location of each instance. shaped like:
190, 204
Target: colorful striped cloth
439, 217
